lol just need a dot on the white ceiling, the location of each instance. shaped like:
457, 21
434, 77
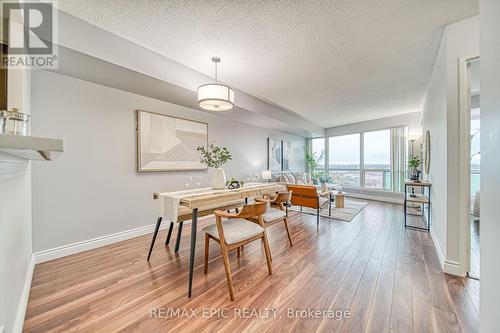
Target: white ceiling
334, 62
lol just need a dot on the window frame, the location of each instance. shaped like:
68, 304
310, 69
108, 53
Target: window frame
362, 170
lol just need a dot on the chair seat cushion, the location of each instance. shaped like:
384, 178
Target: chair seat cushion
235, 230
273, 214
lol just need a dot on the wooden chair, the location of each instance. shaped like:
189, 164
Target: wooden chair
235, 232
279, 214
308, 196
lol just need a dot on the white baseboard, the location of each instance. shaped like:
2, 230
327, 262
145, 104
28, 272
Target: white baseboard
438, 248
94, 243
374, 197
448, 266
453, 268
90, 244
23, 302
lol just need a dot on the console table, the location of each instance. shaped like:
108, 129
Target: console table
422, 198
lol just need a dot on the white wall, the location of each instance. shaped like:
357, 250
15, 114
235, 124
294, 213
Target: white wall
93, 189
434, 120
15, 220
490, 166
441, 118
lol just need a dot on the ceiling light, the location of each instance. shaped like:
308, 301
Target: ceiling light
215, 96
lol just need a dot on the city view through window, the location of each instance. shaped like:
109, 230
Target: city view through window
361, 159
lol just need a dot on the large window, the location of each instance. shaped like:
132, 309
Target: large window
344, 159
377, 159
318, 150
372, 159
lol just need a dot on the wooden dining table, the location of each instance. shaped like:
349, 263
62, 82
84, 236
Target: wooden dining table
220, 199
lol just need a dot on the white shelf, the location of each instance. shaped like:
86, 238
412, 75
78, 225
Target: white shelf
30, 147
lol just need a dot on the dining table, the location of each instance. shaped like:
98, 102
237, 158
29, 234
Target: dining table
203, 199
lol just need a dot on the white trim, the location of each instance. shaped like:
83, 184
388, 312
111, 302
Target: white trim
448, 266
90, 244
69, 249
374, 197
463, 168
23, 302
438, 248
453, 268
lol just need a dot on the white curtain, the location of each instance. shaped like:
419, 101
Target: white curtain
398, 157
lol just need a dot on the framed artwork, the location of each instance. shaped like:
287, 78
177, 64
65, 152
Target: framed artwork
167, 143
287, 155
275, 155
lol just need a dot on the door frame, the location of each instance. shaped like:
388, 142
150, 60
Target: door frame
464, 162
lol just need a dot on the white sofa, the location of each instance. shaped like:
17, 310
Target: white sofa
293, 177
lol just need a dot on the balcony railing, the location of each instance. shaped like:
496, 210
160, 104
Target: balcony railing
369, 178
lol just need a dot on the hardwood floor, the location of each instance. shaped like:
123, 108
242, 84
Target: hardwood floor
387, 277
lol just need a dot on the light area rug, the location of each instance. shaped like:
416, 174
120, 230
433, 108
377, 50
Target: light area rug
350, 210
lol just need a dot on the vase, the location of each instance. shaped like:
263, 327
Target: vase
218, 178
323, 187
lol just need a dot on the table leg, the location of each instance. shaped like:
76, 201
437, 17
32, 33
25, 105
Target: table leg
194, 227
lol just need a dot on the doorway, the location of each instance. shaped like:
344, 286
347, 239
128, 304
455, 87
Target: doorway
474, 145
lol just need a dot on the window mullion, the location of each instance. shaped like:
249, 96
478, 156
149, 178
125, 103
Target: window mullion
362, 160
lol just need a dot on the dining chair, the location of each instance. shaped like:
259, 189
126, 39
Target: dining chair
234, 232
276, 211
308, 196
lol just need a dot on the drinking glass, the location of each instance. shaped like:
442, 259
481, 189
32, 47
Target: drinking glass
198, 181
188, 182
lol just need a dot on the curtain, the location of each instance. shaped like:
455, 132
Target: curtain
398, 157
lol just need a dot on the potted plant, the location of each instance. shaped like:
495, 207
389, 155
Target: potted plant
413, 163
215, 157
312, 160
324, 179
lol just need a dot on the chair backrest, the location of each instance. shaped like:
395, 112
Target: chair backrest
283, 199
304, 195
253, 210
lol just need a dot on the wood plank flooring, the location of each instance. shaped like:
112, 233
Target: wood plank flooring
387, 277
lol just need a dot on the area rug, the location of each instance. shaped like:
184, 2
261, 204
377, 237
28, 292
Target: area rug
350, 210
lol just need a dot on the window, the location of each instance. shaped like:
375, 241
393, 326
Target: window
344, 159
318, 150
374, 159
377, 159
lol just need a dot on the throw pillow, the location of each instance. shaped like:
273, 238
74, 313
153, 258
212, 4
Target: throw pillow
291, 178
300, 177
308, 177
283, 179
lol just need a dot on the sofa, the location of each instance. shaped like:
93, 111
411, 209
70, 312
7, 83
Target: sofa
294, 177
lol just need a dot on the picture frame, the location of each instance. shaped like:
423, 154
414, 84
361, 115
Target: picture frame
166, 143
274, 154
287, 156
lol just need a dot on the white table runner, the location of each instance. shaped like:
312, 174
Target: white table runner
168, 202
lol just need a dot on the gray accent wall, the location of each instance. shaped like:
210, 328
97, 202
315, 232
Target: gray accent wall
93, 189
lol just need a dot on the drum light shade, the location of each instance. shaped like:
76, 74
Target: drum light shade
215, 97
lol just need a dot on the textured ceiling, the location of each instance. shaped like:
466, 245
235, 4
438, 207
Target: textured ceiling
334, 62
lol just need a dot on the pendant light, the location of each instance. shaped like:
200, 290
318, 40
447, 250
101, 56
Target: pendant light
215, 96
